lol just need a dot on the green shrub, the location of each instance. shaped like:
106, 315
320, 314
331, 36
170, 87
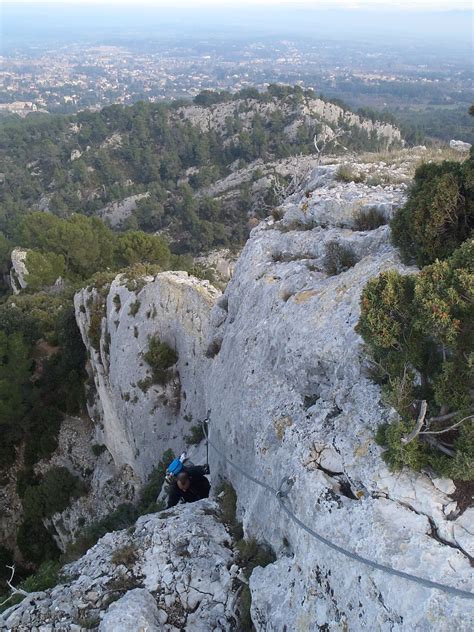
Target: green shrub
42, 438
196, 436
369, 219
35, 542
135, 246
149, 493
95, 324
47, 576
134, 308
98, 449
160, 357
439, 214
145, 384
418, 330
397, 454
338, 258
250, 555
228, 506
43, 269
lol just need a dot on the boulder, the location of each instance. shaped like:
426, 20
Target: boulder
460, 145
18, 271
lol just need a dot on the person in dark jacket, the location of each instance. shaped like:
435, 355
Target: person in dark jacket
190, 484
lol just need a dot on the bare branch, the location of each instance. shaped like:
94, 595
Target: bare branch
419, 424
2, 603
15, 591
439, 446
298, 173
324, 139
446, 417
437, 432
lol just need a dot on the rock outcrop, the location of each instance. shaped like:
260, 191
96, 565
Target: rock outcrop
172, 571
137, 419
308, 111
116, 213
18, 271
460, 145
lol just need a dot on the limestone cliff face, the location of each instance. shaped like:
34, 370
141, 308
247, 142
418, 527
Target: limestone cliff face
137, 421
291, 396
277, 360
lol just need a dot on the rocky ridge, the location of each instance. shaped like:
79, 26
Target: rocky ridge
309, 111
278, 362
137, 419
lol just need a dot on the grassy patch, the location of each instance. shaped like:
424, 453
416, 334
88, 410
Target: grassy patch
134, 308
369, 219
95, 324
126, 555
346, 173
338, 258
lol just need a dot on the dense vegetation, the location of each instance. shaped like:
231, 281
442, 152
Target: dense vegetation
81, 163
439, 214
41, 373
160, 357
419, 327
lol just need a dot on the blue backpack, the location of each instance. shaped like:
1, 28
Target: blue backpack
175, 467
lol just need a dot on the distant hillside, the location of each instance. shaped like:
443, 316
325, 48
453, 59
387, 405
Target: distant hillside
147, 166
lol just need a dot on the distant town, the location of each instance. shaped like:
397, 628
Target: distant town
80, 76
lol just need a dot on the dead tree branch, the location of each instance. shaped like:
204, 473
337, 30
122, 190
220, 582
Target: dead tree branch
440, 446
15, 591
325, 139
419, 424
437, 432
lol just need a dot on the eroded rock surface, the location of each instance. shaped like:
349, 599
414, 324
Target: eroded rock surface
18, 271
172, 571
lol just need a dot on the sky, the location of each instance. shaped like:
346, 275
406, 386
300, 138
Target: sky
431, 5
27, 22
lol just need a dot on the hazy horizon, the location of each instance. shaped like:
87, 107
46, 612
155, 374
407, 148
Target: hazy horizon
60, 21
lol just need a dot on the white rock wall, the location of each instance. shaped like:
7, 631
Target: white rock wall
18, 271
137, 425
290, 396
310, 110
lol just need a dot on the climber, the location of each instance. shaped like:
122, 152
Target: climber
187, 483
